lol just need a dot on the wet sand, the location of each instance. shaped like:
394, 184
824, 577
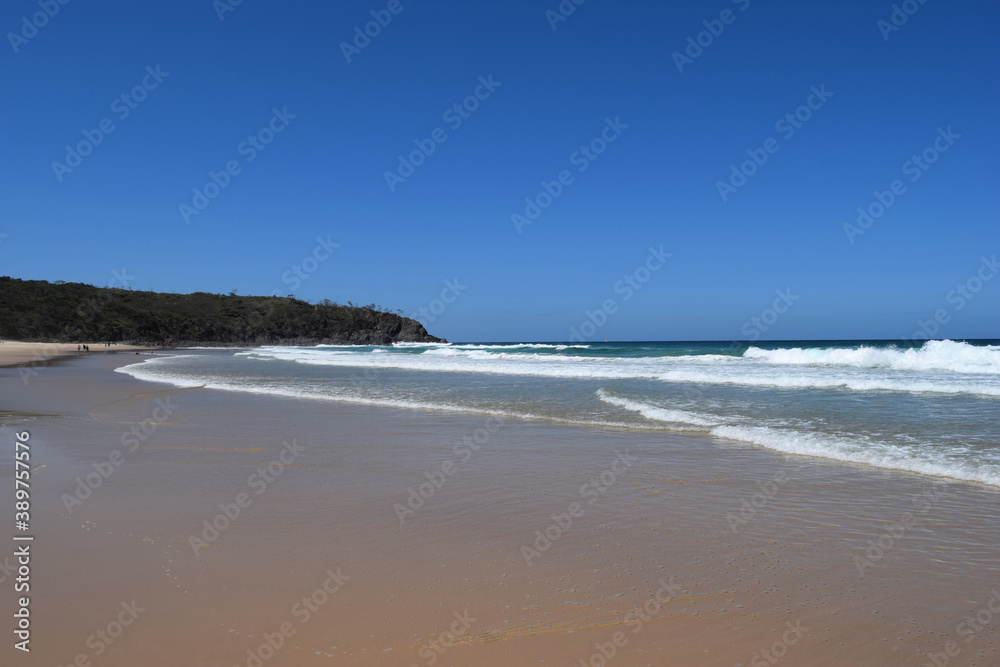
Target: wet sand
533, 543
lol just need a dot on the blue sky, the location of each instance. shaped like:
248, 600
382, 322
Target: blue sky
677, 135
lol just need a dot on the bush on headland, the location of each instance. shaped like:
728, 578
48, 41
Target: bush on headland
37, 310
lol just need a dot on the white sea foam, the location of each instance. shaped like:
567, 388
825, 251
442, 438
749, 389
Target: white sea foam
520, 346
927, 460
923, 460
792, 370
402, 345
918, 453
658, 413
935, 355
152, 371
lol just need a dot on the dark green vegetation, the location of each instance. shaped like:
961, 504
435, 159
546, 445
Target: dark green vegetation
36, 310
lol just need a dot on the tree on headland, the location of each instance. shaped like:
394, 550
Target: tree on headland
36, 310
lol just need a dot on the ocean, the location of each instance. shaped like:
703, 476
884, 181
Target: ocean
930, 408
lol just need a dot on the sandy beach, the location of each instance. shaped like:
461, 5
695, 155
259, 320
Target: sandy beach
33, 354
502, 334
199, 527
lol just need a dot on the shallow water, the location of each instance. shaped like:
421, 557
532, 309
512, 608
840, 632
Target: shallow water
930, 408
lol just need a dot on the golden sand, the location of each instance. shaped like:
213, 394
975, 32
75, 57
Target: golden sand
258, 531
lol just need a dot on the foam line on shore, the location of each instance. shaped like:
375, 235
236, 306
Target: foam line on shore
839, 448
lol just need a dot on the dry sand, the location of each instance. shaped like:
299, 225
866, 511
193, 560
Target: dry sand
727, 551
15, 352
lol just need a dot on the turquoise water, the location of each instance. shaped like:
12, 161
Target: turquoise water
931, 408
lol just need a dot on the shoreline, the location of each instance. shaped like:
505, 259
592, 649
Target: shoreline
717, 545
652, 428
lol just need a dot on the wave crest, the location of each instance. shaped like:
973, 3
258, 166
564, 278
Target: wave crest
935, 355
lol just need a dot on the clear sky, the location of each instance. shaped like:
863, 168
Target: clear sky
265, 88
